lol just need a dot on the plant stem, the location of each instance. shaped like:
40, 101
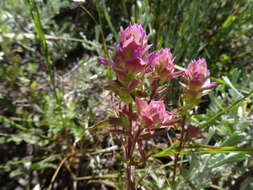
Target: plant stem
129, 155
182, 138
130, 176
154, 90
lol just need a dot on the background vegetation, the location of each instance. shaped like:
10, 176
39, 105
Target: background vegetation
51, 92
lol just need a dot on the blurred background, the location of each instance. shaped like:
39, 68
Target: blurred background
51, 90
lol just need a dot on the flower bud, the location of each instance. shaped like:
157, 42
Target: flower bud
132, 47
133, 34
197, 82
162, 65
129, 59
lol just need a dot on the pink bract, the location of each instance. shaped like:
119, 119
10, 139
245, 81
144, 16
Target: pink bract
197, 75
154, 114
197, 82
129, 57
133, 34
197, 72
162, 64
131, 49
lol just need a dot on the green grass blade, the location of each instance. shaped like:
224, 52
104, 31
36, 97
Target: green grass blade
34, 11
108, 20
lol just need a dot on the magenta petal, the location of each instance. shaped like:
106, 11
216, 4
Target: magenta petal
130, 42
146, 48
210, 86
136, 32
148, 69
197, 70
105, 61
138, 52
151, 56
129, 48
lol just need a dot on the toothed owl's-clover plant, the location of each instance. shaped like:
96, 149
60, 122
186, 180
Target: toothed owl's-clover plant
141, 79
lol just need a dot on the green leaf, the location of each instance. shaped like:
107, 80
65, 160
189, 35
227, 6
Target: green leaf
220, 113
11, 123
17, 172
46, 163
79, 131
170, 151
228, 21
230, 158
107, 122
229, 83
226, 149
24, 136
125, 97
234, 140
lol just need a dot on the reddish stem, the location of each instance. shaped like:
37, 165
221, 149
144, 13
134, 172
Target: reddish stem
182, 138
154, 90
129, 155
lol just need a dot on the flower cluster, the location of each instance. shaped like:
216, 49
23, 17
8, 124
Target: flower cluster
153, 115
133, 65
140, 79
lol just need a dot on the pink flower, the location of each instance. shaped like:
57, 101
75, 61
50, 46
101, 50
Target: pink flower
105, 61
162, 64
197, 75
153, 115
197, 82
197, 72
131, 49
134, 36
129, 58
